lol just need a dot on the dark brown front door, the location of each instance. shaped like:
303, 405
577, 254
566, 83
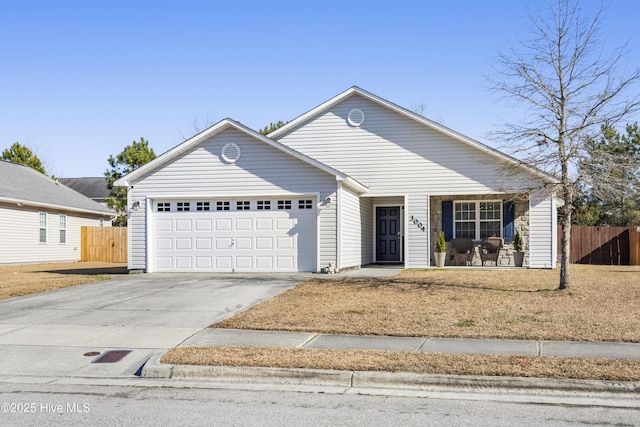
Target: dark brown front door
388, 243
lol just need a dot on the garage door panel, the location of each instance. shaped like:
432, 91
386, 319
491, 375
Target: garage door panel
264, 243
244, 240
223, 224
203, 244
223, 243
244, 262
264, 262
183, 225
164, 225
183, 262
183, 244
204, 263
223, 262
264, 224
244, 243
203, 225
244, 224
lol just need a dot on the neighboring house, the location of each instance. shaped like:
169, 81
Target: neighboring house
357, 180
95, 188
40, 219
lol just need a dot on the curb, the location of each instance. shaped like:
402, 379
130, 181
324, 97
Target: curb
374, 379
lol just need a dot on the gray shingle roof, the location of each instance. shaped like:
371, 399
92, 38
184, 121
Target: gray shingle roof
95, 188
21, 183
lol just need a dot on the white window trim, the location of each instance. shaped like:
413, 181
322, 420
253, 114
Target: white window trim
45, 228
62, 229
478, 220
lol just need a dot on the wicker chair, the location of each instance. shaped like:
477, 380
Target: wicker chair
490, 249
462, 251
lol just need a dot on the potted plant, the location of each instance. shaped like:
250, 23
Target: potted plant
441, 250
518, 254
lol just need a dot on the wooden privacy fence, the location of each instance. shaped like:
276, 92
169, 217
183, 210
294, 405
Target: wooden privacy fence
603, 245
104, 244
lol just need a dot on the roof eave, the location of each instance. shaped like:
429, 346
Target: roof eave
22, 202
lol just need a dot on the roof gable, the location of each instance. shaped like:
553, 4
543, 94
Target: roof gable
21, 184
203, 136
354, 90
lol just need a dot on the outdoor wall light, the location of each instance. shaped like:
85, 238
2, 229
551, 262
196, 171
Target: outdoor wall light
327, 202
135, 205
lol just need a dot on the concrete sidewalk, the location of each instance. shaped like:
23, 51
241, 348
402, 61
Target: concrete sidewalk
236, 337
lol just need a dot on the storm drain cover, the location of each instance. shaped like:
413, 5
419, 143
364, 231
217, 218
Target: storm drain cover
111, 356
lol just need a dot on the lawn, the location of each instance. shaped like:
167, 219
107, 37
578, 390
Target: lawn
20, 280
602, 305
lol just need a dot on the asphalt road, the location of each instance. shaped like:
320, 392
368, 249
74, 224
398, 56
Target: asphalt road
59, 404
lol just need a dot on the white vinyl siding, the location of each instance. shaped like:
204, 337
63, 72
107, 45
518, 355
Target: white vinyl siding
262, 170
543, 239
351, 229
417, 231
391, 153
20, 236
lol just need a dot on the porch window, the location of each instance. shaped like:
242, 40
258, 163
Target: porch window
477, 219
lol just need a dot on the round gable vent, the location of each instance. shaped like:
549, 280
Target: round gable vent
231, 152
355, 117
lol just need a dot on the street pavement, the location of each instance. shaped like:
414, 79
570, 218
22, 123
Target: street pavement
62, 334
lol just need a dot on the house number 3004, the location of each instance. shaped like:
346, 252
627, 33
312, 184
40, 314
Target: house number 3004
417, 223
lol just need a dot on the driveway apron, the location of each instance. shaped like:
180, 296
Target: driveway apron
58, 333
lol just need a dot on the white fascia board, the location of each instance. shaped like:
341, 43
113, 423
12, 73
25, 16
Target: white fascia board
410, 114
354, 185
22, 203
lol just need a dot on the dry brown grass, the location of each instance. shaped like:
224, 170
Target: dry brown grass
20, 280
602, 305
428, 363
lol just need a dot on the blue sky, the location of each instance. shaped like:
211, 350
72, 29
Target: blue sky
80, 80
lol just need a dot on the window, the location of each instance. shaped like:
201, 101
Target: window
43, 227
477, 220
184, 206
101, 222
284, 204
305, 204
222, 206
164, 207
63, 228
264, 205
243, 205
203, 206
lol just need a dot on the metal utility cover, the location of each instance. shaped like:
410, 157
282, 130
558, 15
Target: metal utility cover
111, 356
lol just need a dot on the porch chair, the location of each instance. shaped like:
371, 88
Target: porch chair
490, 249
462, 251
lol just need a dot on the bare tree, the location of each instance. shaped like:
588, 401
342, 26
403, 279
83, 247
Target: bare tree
571, 88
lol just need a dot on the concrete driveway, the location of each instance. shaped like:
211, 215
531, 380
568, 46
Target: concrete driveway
48, 335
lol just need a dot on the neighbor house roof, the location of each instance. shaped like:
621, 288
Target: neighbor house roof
22, 185
95, 188
354, 90
219, 127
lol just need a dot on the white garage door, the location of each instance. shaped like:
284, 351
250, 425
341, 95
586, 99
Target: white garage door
234, 235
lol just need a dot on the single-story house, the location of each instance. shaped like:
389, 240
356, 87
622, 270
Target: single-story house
354, 181
40, 218
94, 187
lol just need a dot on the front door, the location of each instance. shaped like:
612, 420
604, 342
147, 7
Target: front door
388, 241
